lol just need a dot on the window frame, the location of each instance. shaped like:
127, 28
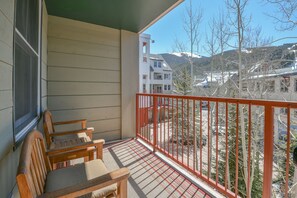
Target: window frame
159, 64
18, 136
270, 86
284, 88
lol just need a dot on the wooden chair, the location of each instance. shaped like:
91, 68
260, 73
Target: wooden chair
68, 140
35, 176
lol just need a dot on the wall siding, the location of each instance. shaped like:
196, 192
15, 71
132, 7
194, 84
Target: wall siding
9, 158
84, 75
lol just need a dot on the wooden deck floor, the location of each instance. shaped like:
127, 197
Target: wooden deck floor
150, 176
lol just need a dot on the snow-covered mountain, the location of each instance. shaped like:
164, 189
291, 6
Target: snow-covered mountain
178, 58
185, 54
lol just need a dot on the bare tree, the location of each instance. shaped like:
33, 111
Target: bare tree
239, 22
285, 15
211, 46
192, 21
223, 37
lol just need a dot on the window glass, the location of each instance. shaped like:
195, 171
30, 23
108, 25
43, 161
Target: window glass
26, 63
285, 84
27, 21
270, 86
159, 64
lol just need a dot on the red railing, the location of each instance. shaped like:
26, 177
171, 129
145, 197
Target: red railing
240, 147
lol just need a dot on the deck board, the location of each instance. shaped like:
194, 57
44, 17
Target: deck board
150, 176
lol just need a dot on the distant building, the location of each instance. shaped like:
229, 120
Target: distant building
277, 84
216, 83
144, 63
155, 75
160, 75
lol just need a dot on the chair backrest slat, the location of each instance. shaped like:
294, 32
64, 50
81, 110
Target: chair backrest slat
37, 166
48, 126
41, 159
33, 167
34, 177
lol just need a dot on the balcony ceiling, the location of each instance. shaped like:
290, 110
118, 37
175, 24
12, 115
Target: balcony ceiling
131, 15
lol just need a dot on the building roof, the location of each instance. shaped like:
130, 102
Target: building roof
157, 57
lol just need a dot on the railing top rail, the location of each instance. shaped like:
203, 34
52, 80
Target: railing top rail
271, 103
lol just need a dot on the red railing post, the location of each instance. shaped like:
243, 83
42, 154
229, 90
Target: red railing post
137, 115
155, 116
268, 150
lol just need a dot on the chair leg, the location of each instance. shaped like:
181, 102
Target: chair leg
99, 152
54, 166
86, 159
91, 155
122, 189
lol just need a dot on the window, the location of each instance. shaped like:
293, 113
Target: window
26, 66
169, 87
144, 47
270, 86
144, 77
159, 89
167, 76
285, 84
144, 51
244, 86
144, 88
295, 85
258, 86
165, 87
155, 63
159, 64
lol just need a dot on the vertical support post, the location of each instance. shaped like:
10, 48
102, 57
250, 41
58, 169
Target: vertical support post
155, 116
137, 115
268, 150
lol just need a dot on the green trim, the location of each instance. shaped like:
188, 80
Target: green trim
131, 15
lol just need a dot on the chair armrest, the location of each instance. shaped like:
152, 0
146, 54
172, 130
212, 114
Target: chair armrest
118, 176
69, 122
85, 130
62, 150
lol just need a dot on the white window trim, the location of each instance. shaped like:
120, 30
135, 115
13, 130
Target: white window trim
20, 135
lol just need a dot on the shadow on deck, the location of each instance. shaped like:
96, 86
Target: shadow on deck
150, 176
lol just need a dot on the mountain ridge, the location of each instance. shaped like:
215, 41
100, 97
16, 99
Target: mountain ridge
250, 56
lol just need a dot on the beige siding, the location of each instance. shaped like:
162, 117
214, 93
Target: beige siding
83, 61
44, 61
8, 157
84, 75
129, 77
5, 76
85, 88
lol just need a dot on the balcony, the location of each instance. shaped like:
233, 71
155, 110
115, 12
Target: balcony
150, 175
250, 136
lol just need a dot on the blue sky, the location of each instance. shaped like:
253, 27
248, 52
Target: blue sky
170, 27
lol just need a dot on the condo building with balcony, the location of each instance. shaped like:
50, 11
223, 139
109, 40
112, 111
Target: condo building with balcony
155, 75
160, 75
